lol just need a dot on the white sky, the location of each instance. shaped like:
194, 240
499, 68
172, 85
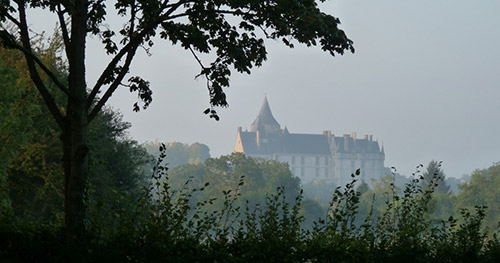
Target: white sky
425, 81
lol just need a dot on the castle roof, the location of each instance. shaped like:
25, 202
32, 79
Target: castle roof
266, 138
265, 121
349, 144
279, 143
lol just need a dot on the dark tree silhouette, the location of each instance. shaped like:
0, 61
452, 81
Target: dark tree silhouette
229, 29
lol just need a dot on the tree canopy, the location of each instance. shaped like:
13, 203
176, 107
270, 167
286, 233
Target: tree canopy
434, 175
232, 30
32, 181
483, 190
179, 153
251, 178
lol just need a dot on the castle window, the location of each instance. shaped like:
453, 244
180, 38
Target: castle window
326, 160
326, 172
317, 172
317, 161
302, 172
302, 161
293, 159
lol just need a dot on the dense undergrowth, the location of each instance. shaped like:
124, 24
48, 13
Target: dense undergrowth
164, 225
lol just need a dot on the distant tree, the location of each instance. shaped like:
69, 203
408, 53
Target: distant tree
320, 191
179, 153
400, 180
482, 190
454, 182
260, 178
198, 152
375, 198
228, 29
362, 187
434, 174
312, 212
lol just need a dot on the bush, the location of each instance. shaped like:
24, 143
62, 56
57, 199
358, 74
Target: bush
166, 226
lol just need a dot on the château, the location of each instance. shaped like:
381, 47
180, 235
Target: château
312, 156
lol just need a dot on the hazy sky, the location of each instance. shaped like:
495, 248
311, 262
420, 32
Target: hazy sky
424, 81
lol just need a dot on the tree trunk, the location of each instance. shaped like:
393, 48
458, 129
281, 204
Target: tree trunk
75, 172
74, 135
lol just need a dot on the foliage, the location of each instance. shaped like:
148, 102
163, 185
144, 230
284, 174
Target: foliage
179, 153
434, 171
160, 228
30, 153
482, 190
441, 205
455, 182
259, 178
320, 191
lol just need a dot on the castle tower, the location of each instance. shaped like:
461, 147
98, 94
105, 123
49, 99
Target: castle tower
265, 121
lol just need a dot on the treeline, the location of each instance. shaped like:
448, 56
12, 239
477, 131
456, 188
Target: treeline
449, 197
177, 153
168, 224
481, 189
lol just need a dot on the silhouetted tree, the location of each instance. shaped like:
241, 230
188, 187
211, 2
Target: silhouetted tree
228, 29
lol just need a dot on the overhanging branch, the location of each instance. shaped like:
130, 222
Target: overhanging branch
112, 88
134, 42
112, 65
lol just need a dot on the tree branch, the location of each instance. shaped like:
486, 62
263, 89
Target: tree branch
132, 44
197, 58
175, 5
13, 20
174, 16
171, 9
64, 30
132, 20
135, 41
112, 88
47, 71
30, 61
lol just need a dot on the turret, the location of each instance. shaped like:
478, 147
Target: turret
265, 121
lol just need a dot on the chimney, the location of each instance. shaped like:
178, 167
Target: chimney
354, 136
328, 134
346, 142
365, 137
239, 129
257, 138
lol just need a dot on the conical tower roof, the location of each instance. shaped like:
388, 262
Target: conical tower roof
265, 121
